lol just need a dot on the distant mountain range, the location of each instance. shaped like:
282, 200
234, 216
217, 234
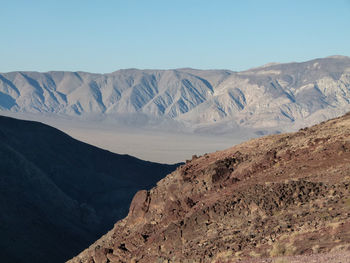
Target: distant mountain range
274, 96
58, 195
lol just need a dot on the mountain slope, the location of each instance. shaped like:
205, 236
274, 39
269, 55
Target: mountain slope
57, 194
280, 195
277, 96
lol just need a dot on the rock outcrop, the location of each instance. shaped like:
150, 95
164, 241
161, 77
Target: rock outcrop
277, 196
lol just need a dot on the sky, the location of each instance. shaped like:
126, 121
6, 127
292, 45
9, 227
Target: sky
104, 36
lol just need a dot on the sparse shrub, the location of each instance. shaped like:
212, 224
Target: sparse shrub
223, 256
316, 249
254, 254
278, 250
281, 260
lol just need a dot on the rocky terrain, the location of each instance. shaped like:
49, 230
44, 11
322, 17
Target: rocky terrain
58, 195
275, 97
279, 198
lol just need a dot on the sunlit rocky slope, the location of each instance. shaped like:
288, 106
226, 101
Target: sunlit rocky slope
277, 196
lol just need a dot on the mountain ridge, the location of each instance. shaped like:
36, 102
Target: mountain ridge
286, 96
55, 191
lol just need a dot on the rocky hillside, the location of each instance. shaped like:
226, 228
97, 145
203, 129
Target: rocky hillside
58, 195
284, 195
275, 96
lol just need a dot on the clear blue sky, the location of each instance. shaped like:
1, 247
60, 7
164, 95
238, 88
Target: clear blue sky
105, 35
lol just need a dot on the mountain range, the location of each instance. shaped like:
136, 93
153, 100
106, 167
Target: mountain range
274, 97
58, 195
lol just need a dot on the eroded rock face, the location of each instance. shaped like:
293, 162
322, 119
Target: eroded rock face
280, 195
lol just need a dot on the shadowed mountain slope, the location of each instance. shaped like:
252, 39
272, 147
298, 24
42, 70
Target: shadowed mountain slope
57, 195
277, 196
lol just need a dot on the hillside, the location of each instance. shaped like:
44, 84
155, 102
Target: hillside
275, 97
281, 198
57, 195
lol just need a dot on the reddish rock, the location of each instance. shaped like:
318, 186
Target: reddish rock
277, 196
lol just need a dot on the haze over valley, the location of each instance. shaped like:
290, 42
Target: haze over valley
168, 115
